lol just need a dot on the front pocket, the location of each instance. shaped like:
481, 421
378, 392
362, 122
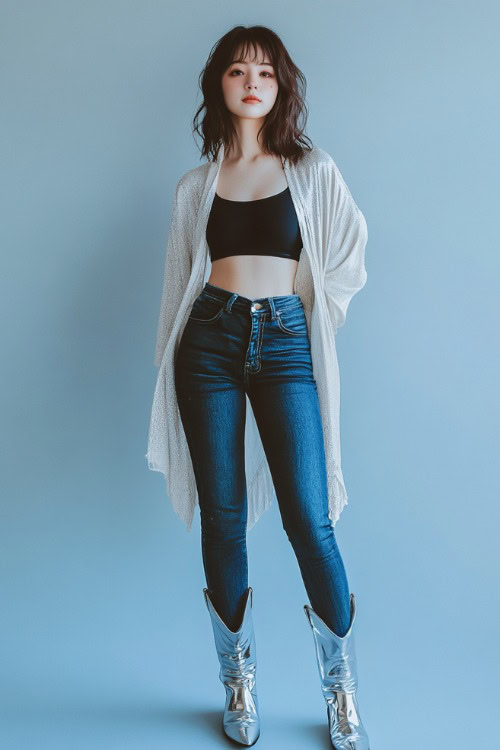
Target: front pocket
206, 309
292, 322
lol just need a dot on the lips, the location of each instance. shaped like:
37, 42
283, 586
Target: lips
251, 99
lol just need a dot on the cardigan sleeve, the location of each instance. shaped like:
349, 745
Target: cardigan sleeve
177, 269
345, 272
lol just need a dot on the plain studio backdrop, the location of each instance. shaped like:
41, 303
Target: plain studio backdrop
106, 641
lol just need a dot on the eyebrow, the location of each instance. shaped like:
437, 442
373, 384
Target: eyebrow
240, 62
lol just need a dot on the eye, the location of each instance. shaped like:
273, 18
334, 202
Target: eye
266, 73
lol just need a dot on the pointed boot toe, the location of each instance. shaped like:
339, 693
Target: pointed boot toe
245, 732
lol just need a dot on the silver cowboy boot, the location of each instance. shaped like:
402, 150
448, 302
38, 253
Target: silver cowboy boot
337, 669
238, 664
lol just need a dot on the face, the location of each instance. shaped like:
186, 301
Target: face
250, 78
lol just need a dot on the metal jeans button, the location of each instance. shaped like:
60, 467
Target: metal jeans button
256, 306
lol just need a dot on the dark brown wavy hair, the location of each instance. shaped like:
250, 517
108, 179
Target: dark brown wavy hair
281, 132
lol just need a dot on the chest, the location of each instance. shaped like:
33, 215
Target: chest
249, 183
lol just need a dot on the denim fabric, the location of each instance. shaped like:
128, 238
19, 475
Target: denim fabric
232, 346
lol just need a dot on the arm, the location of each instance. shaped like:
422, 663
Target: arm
345, 272
177, 270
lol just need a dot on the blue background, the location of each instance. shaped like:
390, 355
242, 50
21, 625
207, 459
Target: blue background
105, 638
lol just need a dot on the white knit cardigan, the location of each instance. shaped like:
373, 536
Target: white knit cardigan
330, 271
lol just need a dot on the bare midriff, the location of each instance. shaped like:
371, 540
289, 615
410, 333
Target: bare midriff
255, 276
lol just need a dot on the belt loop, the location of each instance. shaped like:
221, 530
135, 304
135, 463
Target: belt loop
273, 309
230, 301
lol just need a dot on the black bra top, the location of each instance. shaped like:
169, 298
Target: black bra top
267, 226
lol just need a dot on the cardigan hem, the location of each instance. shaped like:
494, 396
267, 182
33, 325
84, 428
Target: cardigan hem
261, 495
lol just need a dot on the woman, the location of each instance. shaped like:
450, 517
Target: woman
266, 249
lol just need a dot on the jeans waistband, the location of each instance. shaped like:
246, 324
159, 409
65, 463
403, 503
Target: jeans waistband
259, 304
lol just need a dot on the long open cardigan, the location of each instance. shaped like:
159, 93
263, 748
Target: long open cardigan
330, 271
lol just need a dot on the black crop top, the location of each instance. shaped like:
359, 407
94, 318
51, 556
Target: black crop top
267, 226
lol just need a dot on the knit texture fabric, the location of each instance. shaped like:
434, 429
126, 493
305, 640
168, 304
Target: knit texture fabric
331, 270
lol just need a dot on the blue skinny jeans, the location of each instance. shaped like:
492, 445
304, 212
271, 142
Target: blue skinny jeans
232, 346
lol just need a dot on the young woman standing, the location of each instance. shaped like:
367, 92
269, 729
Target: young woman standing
248, 365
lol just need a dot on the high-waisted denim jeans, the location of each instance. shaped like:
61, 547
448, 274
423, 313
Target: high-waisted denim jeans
232, 346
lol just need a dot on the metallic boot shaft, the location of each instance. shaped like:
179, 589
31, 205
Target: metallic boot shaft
238, 663
339, 679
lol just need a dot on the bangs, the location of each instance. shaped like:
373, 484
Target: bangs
250, 47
